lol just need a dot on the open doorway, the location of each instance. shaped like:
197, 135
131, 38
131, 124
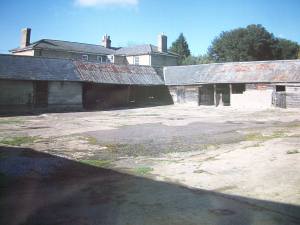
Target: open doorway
40, 93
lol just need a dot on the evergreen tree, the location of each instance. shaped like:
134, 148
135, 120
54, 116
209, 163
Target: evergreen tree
181, 47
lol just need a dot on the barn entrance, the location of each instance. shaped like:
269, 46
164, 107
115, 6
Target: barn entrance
206, 95
222, 95
102, 96
40, 93
214, 94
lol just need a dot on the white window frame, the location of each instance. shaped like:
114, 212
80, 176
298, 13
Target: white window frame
100, 58
85, 57
136, 60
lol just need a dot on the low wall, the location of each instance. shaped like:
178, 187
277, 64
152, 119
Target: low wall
252, 99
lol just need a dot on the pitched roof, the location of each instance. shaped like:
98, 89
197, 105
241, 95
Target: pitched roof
67, 46
37, 68
235, 72
15, 67
118, 74
141, 50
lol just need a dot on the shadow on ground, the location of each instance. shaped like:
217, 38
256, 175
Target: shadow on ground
38, 188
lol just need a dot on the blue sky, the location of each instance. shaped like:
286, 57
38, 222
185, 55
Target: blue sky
140, 21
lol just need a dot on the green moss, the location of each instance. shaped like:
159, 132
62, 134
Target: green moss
18, 140
142, 170
96, 162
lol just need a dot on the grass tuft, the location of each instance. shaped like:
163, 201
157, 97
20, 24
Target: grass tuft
18, 140
261, 138
142, 170
295, 151
96, 162
91, 140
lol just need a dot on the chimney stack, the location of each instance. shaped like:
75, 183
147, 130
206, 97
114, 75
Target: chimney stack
25, 37
162, 43
106, 42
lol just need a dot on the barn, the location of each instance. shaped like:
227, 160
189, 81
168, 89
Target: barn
42, 84
261, 84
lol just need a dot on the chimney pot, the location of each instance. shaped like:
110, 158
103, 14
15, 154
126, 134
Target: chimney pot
162, 43
25, 37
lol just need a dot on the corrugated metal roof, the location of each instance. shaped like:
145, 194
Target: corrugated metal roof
118, 74
237, 72
39, 68
67, 46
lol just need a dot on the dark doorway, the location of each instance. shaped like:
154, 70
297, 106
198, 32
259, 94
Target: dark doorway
206, 95
103, 96
222, 95
40, 93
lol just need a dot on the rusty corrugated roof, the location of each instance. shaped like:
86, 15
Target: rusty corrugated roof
39, 68
236, 72
118, 74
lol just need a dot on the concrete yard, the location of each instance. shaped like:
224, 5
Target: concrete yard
157, 165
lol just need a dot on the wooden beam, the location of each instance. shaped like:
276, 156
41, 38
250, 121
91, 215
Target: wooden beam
215, 95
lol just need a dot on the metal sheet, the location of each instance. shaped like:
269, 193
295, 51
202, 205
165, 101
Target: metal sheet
238, 72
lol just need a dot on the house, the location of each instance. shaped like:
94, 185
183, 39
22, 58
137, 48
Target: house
38, 83
259, 84
148, 54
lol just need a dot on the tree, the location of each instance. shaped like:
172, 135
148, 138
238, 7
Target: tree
181, 47
287, 49
249, 44
194, 60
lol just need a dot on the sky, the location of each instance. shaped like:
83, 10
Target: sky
130, 22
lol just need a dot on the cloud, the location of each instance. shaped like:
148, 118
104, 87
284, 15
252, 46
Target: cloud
101, 3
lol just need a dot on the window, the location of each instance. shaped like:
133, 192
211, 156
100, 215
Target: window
238, 88
136, 60
110, 58
85, 57
280, 88
101, 58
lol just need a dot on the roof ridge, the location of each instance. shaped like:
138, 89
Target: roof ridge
242, 62
72, 42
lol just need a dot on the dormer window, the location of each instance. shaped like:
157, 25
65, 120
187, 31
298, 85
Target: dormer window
85, 57
136, 60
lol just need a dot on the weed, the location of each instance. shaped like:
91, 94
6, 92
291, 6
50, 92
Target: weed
96, 162
142, 170
18, 140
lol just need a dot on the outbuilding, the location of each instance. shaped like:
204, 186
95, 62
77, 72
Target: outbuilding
37, 83
259, 84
